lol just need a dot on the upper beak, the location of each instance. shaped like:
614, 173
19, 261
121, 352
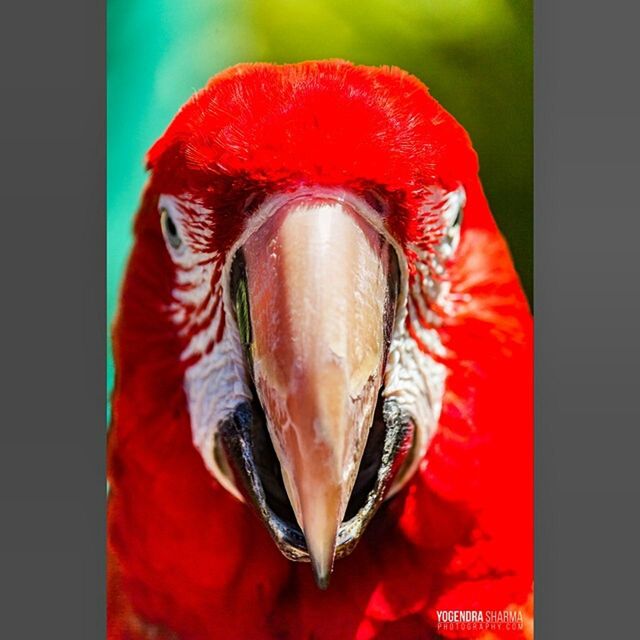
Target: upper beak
317, 278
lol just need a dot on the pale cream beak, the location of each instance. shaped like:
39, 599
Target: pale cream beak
317, 277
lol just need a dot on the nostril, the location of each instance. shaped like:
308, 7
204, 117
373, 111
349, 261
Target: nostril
253, 201
375, 200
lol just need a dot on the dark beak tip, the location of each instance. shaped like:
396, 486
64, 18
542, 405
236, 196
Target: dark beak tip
322, 581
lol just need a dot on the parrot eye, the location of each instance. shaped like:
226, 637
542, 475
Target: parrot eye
170, 230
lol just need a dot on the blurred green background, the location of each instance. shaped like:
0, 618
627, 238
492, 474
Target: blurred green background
476, 56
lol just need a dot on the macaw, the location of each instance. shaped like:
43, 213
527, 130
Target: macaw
323, 355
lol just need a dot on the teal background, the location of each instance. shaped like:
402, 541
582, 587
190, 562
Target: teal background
476, 56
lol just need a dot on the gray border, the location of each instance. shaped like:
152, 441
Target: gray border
52, 305
53, 315
587, 308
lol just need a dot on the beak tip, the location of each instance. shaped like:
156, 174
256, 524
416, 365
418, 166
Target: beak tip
321, 575
322, 557
321, 544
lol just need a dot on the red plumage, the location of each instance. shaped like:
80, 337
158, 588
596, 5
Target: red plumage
187, 560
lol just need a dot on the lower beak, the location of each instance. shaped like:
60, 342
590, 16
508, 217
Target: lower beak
317, 278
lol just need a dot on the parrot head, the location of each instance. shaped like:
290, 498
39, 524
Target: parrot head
304, 221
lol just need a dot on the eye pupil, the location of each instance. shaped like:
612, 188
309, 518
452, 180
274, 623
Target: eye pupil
171, 227
170, 230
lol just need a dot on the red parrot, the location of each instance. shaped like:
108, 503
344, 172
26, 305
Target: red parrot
323, 353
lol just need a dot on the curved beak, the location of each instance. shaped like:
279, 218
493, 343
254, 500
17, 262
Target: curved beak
317, 278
